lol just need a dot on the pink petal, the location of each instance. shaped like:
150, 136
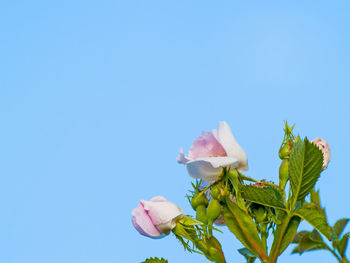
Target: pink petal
143, 223
182, 158
206, 146
161, 212
225, 137
210, 168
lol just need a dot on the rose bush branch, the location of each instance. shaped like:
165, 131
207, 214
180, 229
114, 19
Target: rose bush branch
252, 212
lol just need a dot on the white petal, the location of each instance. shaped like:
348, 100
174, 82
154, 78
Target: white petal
225, 137
210, 168
182, 158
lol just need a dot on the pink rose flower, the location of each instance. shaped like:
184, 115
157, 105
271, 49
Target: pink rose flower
213, 151
155, 218
323, 146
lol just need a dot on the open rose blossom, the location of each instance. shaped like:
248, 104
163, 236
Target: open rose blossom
213, 151
155, 218
323, 146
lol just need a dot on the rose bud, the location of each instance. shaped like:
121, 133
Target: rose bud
323, 146
155, 218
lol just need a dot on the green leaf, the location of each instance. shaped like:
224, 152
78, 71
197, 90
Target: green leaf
249, 256
305, 166
341, 245
290, 233
316, 217
243, 227
339, 226
267, 196
315, 196
155, 260
309, 241
299, 235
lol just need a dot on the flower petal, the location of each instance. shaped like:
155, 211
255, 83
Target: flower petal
161, 212
182, 158
225, 137
206, 146
143, 223
210, 168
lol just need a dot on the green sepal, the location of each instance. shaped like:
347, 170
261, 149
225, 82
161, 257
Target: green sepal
155, 260
234, 179
305, 166
243, 227
189, 221
267, 196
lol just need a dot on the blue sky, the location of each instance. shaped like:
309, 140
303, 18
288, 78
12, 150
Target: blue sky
96, 98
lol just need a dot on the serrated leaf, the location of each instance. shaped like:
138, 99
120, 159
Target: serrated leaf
316, 217
315, 196
341, 245
315, 236
308, 244
155, 260
290, 233
249, 256
243, 227
267, 196
305, 166
339, 226
299, 235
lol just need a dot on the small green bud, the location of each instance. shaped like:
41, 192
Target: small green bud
286, 149
260, 214
213, 211
213, 252
200, 244
284, 174
199, 199
215, 192
201, 214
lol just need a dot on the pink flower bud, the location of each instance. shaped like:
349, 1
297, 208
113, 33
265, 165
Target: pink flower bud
155, 218
323, 146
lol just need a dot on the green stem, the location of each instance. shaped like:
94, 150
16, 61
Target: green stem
264, 236
274, 253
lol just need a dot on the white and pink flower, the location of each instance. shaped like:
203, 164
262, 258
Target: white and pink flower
212, 152
155, 218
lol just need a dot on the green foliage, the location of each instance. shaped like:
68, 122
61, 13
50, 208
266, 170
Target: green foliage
341, 245
249, 256
267, 196
316, 217
243, 227
289, 233
308, 241
155, 260
339, 226
305, 166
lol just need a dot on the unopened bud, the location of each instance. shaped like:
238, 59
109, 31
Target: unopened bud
286, 149
213, 211
199, 199
284, 174
201, 214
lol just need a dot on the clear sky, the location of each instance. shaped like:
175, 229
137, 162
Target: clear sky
96, 98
